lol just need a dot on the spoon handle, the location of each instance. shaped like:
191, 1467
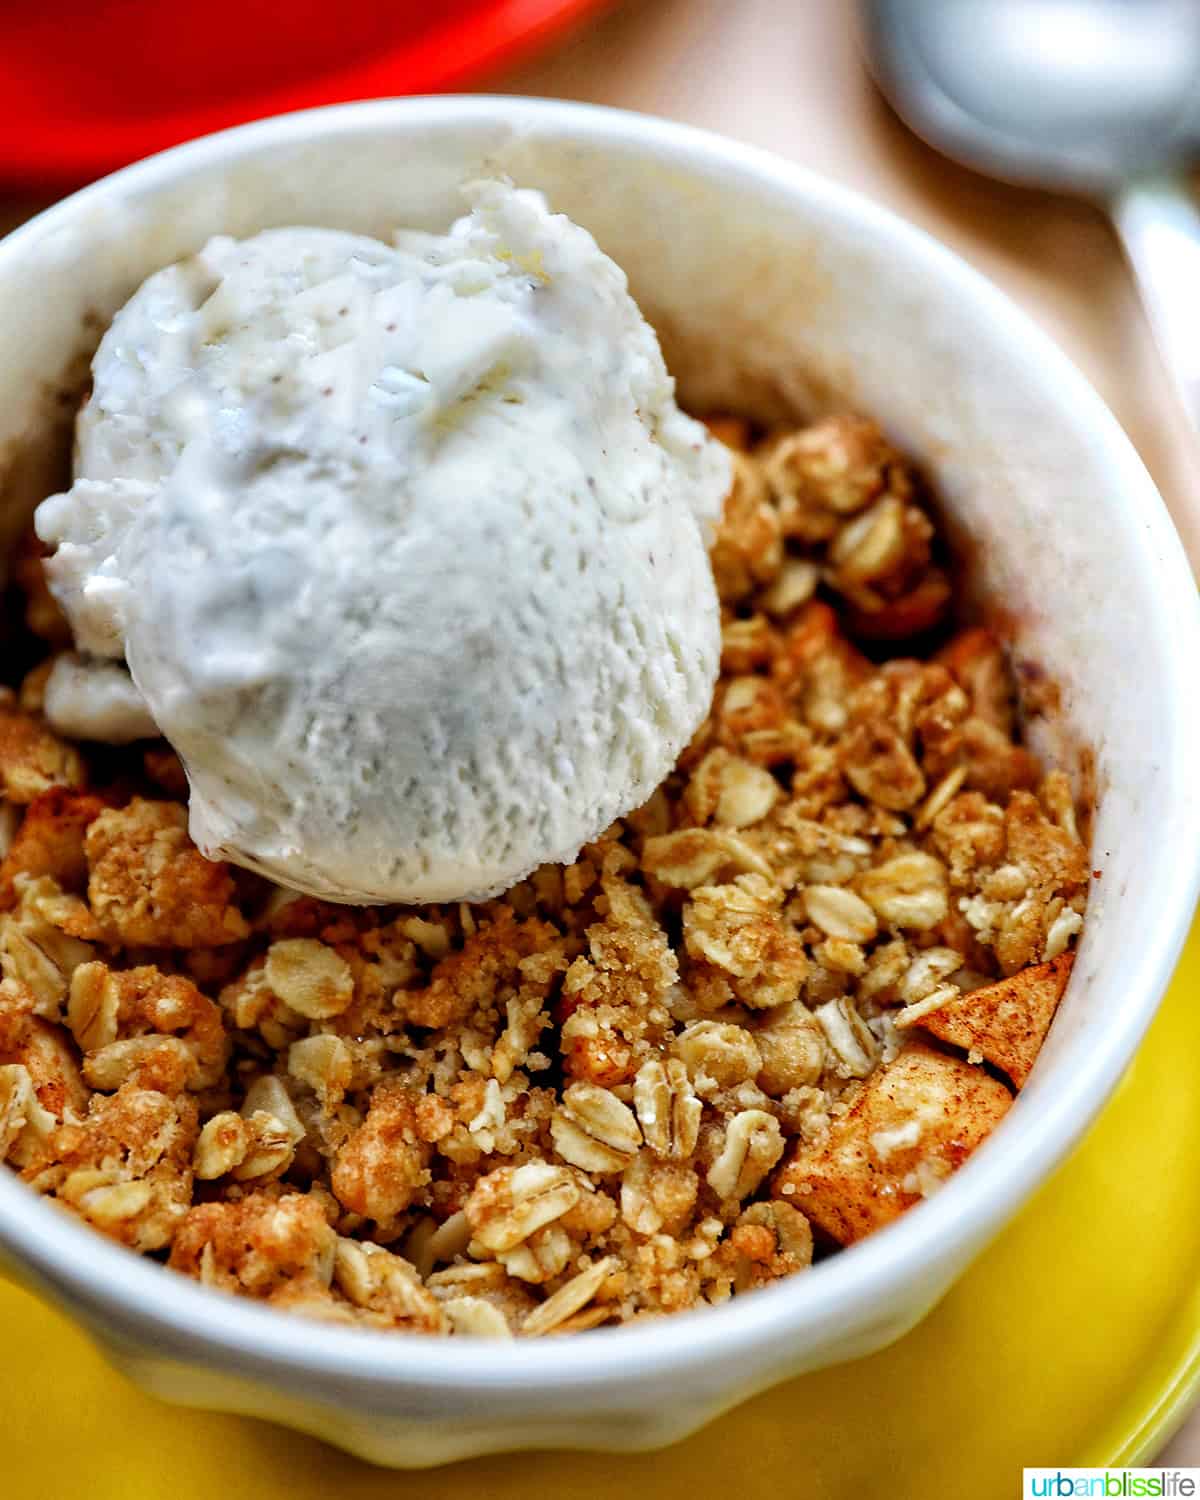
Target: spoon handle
1159, 225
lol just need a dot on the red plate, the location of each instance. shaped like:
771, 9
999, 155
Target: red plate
88, 85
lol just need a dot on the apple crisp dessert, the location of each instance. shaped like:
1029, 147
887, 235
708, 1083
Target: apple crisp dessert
758, 1019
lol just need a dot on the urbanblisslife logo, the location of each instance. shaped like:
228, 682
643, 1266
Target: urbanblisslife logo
1112, 1484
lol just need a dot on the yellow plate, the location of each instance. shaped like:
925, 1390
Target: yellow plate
1074, 1340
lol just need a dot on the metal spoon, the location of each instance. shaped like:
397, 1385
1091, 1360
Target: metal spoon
1098, 97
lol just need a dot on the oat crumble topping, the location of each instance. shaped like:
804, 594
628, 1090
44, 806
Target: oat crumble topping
756, 1020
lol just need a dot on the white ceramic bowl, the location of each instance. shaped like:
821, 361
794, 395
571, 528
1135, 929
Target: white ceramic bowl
772, 289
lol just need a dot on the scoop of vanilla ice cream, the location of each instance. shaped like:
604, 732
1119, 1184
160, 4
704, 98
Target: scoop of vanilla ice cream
405, 547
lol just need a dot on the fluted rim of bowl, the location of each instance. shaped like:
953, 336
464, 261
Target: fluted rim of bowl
141, 1302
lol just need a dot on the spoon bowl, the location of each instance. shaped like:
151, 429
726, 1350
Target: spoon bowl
1096, 97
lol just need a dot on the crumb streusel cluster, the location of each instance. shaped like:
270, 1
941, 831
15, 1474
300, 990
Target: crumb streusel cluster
762, 1015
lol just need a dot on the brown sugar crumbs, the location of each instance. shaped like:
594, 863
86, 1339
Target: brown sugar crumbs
757, 1019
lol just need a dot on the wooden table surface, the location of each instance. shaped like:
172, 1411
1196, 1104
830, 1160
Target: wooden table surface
786, 74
